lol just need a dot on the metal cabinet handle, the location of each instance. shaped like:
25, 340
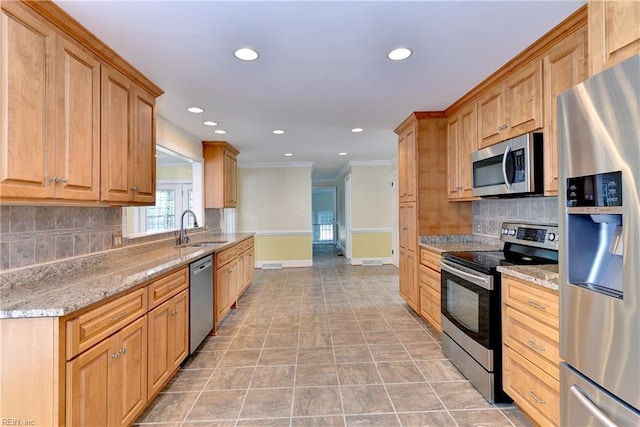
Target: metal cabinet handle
123, 350
502, 127
536, 398
115, 355
54, 179
173, 312
65, 180
591, 407
119, 316
536, 347
536, 305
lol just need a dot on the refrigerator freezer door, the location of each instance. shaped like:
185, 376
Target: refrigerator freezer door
585, 404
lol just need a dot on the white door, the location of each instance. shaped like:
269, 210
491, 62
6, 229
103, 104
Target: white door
347, 214
395, 224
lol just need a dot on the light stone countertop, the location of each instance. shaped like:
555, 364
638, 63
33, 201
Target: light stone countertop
457, 243
543, 275
58, 293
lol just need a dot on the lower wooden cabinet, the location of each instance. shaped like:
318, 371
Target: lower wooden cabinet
107, 384
168, 340
531, 357
235, 269
429, 286
226, 284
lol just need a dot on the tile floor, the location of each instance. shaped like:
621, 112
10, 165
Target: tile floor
332, 345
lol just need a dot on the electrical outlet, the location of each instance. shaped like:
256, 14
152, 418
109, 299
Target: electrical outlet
116, 240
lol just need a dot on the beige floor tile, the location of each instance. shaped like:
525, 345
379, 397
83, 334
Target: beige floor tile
217, 405
315, 355
349, 338
267, 403
314, 339
439, 370
381, 337
427, 419
427, 351
316, 375
270, 422
487, 417
352, 354
374, 325
317, 401
231, 379
369, 399
373, 420
414, 336
246, 342
413, 397
278, 356
216, 343
205, 360
321, 421
389, 352
339, 325
275, 340
400, 372
517, 418
168, 407
240, 358
188, 380
273, 377
358, 373
459, 395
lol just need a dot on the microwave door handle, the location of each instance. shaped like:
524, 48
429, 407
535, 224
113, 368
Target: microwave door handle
505, 156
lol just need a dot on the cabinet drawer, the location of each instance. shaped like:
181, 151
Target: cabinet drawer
93, 326
430, 259
534, 340
532, 389
226, 255
430, 278
245, 245
430, 306
166, 287
536, 301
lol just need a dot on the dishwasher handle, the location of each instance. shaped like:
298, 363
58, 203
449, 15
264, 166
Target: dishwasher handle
201, 265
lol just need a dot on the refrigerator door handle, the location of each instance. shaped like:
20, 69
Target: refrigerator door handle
591, 407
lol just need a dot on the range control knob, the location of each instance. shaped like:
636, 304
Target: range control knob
512, 232
505, 231
551, 237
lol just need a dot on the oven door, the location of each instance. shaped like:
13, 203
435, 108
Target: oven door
468, 302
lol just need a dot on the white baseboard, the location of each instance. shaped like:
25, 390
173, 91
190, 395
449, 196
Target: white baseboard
371, 261
284, 264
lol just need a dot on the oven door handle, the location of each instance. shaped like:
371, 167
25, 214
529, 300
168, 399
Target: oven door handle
483, 280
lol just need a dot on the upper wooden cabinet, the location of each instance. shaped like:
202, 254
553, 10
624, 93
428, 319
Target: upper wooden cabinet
220, 174
614, 32
52, 91
128, 140
462, 139
565, 65
407, 165
512, 107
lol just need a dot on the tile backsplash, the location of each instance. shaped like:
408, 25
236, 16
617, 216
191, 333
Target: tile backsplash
37, 234
488, 214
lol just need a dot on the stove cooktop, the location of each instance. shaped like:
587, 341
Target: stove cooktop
487, 261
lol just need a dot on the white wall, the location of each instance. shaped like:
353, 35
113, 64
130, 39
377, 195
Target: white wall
178, 140
371, 196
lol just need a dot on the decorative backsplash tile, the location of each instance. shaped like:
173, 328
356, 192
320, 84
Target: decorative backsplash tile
37, 234
489, 214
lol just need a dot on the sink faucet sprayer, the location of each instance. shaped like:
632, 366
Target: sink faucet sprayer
184, 239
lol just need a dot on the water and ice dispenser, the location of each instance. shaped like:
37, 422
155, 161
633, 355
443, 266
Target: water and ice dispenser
594, 232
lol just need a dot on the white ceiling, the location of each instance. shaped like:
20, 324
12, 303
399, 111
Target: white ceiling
322, 68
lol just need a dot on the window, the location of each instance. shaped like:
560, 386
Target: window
171, 200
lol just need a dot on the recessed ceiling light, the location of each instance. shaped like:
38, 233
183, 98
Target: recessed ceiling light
356, 130
195, 110
220, 131
278, 131
399, 54
246, 54
288, 154
210, 123
342, 154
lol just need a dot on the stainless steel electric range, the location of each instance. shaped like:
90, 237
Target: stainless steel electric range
471, 302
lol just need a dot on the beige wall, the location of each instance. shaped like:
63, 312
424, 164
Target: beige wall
174, 172
371, 245
275, 203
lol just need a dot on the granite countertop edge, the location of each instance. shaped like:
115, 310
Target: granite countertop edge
542, 275
461, 242
74, 290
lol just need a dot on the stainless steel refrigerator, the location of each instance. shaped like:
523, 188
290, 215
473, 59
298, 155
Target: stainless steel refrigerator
599, 264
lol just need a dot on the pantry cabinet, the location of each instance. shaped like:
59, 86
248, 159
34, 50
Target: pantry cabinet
614, 32
512, 107
56, 122
565, 65
462, 135
220, 174
531, 361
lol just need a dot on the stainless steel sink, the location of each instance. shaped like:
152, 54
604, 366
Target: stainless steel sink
206, 244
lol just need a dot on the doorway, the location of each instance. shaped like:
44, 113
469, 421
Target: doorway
323, 208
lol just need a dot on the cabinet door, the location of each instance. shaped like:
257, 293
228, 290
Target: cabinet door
143, 148
234, 281
408, 218
453, 136
116, 136
230, 180
565, 65
89, 384
614, 32
408, 278
27, 100
467, 144
222, 288
407, 165
78, 118
524, 100
179, 340
159, 363
492, 120
131, 372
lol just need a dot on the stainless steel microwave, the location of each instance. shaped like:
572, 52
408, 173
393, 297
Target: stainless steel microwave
510, 168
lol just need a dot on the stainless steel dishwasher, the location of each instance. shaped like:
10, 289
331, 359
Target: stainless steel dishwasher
200, 301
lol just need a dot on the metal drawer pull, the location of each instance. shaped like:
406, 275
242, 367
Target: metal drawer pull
119, 316
536, 347
536, 398
115, 356
536, 305
591, 407
173, 312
